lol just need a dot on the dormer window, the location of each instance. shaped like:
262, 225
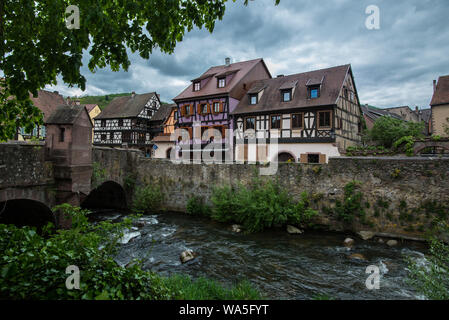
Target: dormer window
314, 92
221, 82
197, 86
253, 99
286, 95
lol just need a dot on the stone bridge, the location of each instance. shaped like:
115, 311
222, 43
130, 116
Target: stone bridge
32, 182
421, 145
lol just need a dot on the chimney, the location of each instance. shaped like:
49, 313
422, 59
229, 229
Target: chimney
228, 62
416, 109
434, 85
68, 101
133, 94
57, 92
280, 75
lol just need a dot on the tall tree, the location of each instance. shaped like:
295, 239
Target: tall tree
36, 46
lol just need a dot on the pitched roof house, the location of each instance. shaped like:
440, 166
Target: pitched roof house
440, 106
310, 115
208, 100
47, 102
128, 120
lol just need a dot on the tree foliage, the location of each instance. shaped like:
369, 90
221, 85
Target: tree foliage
33, 266
387, 130
36, 45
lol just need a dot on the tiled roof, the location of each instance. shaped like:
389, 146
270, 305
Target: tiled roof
375, 113
47, 102
65, 114
125, 107
240, 70
163, 113
441, 94
271, 98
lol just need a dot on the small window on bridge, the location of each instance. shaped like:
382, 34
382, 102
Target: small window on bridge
61, 134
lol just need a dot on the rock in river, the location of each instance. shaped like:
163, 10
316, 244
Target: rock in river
187, 256
392, 243
366, 235
236, 228
357, 256
294, 230
348, 243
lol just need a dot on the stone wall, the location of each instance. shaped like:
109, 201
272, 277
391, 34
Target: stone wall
401, 196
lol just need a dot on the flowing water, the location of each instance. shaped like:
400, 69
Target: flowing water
280, 265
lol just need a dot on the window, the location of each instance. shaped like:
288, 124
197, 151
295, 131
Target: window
314, 93
197, 86
221, 82
204, 108
103, 137
250, 123
352, 96
216, 107
276, 122
297, 121
103, 123
187, 108
313, 158
120, 122
253, 99
175, 115
286, 95
324, 119
61, 134
346, 93
149, 112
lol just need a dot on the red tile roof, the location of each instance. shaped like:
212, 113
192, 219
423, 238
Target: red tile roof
47, 102
441, 94
332, 83
239, 69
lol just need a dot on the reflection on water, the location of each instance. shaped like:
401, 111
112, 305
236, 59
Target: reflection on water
280, 265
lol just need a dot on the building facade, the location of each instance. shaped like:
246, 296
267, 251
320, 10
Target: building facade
306, 117
440, 107
208, 102
126, 122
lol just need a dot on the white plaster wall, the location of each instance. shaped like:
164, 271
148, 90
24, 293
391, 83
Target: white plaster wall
161, 151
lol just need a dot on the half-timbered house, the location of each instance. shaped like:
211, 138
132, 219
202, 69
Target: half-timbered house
126, 121
306, 117
208, 101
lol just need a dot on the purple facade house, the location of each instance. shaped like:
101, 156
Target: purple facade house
208, 102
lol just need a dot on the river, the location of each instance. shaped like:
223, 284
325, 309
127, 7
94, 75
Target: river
280, 265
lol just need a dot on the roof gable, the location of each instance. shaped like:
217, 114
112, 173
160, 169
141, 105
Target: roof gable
441, 94
235, 71
127, 106
67, 114
331, 79
47, 102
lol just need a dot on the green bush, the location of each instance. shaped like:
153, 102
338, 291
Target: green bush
387, 130
196, 206
408, 143
259, 206
33, 266
148, 199
432, 280
351, 206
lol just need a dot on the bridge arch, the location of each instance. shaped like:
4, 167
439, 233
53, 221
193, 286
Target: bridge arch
109, 195
26, 212
421, 145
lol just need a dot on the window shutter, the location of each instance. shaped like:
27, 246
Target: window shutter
303, 158
198, 108
208, 108
190, 132
223, 131
322, 158
221, 107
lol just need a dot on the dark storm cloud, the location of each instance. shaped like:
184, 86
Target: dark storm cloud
393, 66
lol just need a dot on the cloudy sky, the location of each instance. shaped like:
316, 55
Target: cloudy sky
393, 66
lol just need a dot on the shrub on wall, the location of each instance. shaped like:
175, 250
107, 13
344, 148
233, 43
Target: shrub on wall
259, 206
387, 130
148, 199
196, 206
